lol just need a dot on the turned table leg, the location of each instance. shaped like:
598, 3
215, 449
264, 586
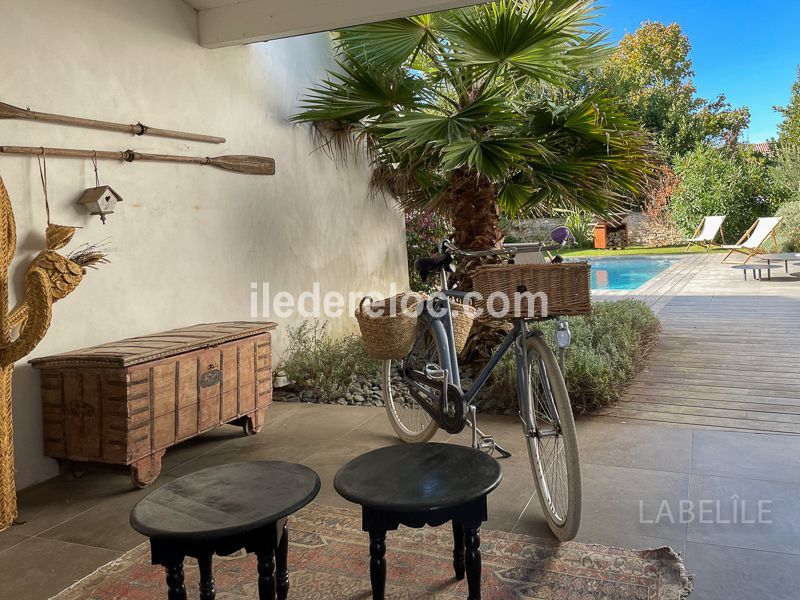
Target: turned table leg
458, 551
377, 563
176, 590
207, 586
266, 575
282, 561
472, 540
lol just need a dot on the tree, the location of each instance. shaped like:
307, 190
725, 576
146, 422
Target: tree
651, 72
454, 110
789, 129
784, 171
720, 181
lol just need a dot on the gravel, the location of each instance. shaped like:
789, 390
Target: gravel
363, 392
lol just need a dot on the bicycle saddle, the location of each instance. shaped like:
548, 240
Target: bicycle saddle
428, 265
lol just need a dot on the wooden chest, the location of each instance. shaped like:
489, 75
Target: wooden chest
126, 402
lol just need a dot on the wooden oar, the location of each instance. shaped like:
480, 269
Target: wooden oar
8, 111
238, 163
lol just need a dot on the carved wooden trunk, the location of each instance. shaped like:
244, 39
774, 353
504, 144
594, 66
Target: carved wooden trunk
126, 402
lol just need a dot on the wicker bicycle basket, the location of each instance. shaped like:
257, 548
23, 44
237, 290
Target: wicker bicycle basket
462, 316
389, 327
533, 291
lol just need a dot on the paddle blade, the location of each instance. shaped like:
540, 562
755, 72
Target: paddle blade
241, 163
12, 112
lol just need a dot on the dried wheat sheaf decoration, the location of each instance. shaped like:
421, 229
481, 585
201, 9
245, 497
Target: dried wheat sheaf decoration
49, 277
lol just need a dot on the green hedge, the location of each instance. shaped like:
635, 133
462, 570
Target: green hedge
789, 232
720, 182
608, 349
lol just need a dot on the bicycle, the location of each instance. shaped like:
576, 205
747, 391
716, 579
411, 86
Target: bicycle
422, 392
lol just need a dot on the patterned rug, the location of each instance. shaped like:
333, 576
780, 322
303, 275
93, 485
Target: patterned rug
329, 558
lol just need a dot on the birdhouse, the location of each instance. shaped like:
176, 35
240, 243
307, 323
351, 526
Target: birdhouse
100, 200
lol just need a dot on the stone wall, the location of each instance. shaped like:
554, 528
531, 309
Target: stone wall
642, 230
648, 232
533, 230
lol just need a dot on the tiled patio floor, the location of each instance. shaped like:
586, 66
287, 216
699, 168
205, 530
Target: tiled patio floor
699, 437
629, 470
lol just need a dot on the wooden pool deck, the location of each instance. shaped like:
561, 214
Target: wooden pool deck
729, 355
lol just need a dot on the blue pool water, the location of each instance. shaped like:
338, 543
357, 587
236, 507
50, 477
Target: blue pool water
626, 273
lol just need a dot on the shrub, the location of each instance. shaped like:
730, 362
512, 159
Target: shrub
608, 349
720, 182
327, 364
789, 232
581, 224
424, 230
785, 175
656, 203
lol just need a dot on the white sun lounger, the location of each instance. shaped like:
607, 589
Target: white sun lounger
707, 232
755, 238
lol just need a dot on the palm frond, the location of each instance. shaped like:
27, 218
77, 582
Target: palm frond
476, 91
549, 41
389, 44
599, 159
494, 157
416, 129
359, 91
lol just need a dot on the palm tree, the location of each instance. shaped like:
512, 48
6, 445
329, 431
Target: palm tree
457, 110
469, 112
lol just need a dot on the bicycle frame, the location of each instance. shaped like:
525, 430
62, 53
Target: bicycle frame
448, 377
442, 330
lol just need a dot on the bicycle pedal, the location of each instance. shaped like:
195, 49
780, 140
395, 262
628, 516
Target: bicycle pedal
435, 373
488, 445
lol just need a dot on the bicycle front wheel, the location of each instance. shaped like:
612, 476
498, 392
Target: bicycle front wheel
552, 442
409, 420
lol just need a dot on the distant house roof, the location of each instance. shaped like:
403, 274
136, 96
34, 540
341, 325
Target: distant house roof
765, 148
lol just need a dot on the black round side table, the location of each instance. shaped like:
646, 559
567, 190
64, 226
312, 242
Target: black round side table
756, 267
417, 485
221, 510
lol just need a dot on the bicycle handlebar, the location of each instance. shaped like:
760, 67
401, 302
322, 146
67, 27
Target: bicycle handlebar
506, 250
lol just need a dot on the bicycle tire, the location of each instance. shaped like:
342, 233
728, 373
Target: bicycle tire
563, 472
408, 419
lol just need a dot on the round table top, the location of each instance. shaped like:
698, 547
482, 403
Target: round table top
224, 501
779, 256
755, 266
418, 477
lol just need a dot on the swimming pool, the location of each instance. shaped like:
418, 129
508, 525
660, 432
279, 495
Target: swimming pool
626, 273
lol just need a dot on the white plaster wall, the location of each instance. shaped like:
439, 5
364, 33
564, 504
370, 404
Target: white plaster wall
188, 240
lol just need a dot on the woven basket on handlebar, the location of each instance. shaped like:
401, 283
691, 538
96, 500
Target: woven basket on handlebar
462, 316
389, 327
565, 287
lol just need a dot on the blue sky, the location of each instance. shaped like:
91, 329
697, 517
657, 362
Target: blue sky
747, 49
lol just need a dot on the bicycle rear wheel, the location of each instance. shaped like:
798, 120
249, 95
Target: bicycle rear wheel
552, 443
409, 420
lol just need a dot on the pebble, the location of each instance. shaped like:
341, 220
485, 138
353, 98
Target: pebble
370, 393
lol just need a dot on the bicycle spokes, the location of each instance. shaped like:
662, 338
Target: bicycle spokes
548, 447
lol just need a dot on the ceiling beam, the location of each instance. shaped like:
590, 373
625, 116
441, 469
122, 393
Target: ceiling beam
260, 20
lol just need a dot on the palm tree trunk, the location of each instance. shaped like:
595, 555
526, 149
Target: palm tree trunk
476, 217
472, 203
